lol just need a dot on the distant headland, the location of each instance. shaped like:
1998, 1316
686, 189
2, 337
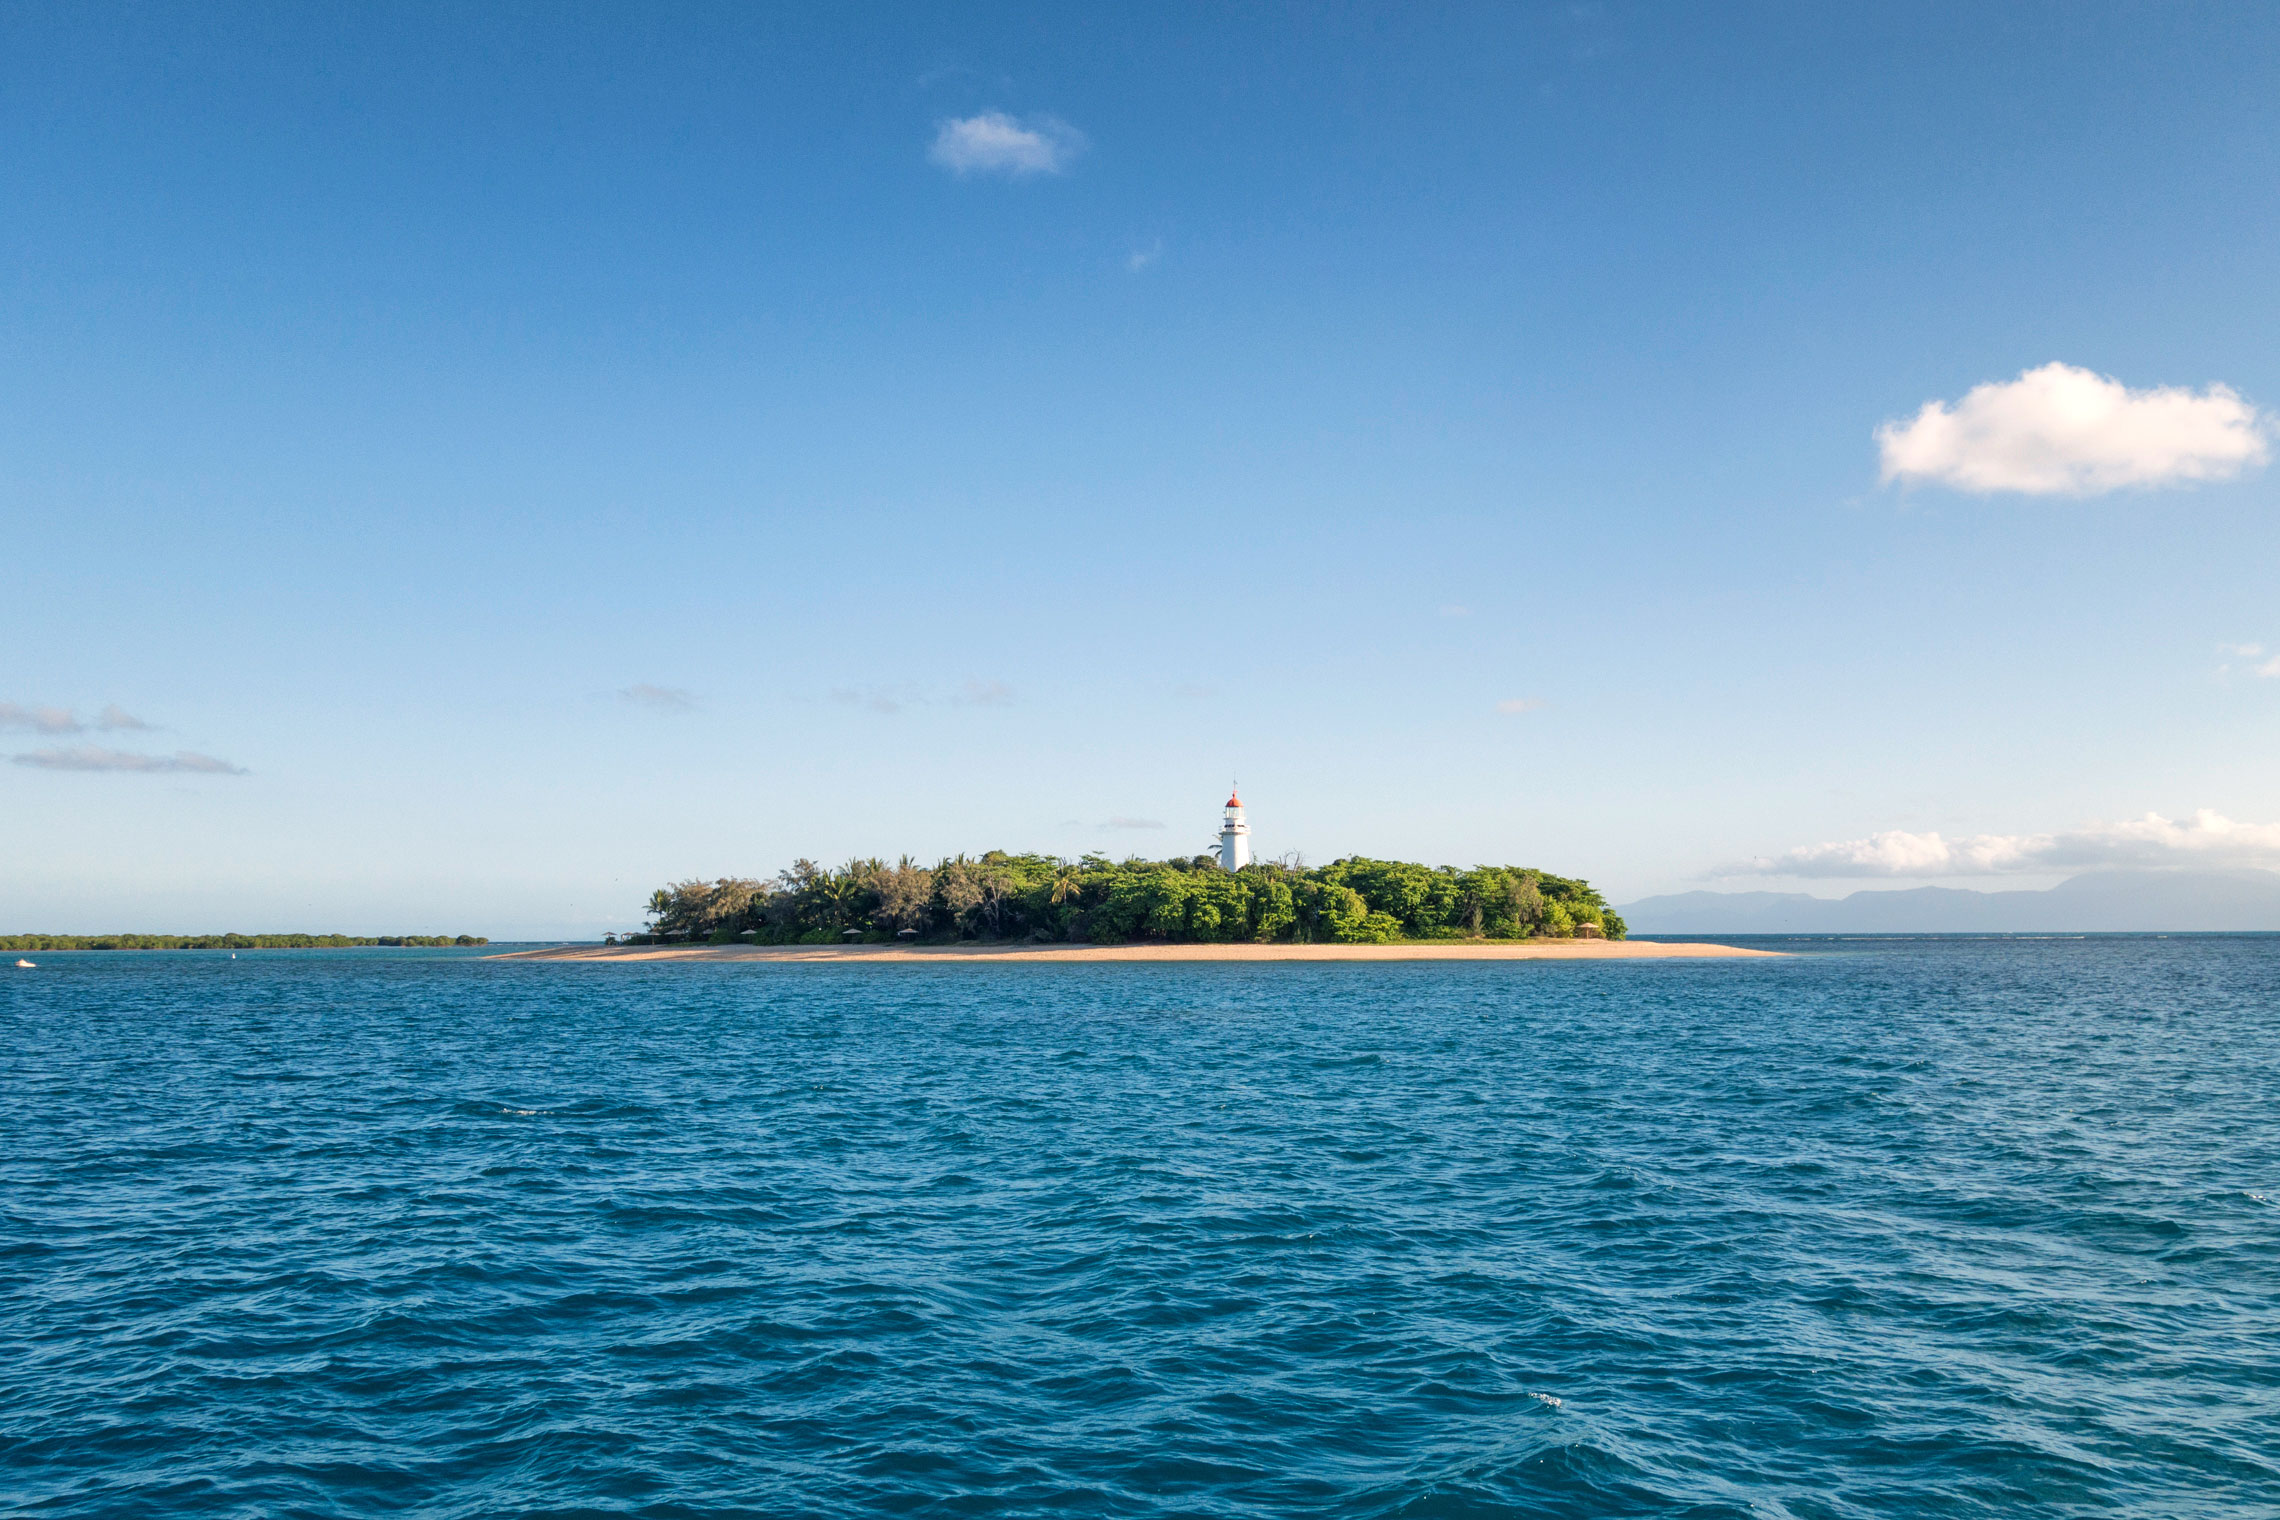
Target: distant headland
226, 941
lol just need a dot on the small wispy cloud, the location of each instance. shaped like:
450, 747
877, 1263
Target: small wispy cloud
1520, 705
906, 695
878, 699
62, 720
1455, 610
40, 720
664, 699
2262, 662
949, 69
984, 694
996, 143
1140, 258
1591, 33
2065, 431
92, 757
2205, 839
1133, 823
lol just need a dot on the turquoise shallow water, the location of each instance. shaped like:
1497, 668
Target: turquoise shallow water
1946, 1228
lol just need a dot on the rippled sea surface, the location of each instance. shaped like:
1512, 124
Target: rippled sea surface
1938, 1228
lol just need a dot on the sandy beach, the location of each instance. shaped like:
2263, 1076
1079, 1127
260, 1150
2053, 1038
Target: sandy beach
1455, 950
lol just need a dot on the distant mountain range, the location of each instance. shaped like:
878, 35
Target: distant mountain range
2101, 902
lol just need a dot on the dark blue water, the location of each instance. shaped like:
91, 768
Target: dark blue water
1899, 1229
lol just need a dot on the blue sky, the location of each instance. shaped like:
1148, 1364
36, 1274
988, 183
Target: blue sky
520, 455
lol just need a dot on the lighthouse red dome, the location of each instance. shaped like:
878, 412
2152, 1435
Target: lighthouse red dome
1234, 801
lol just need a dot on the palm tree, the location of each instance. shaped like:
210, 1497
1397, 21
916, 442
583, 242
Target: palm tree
1068, 882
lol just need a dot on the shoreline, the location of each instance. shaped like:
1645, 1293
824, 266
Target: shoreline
1084, 954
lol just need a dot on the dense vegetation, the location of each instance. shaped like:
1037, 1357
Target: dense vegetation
223, 941
1001, 896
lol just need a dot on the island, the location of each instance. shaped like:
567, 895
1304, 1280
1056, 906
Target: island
1006, 906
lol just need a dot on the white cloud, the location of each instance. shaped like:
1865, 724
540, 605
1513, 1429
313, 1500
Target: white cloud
2267, 662
995, 143
115, 717
2205, 839
91, 757
1140, 258
1520, 705
2063, 431
658, 698
1456, 610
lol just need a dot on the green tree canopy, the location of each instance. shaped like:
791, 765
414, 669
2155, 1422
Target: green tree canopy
998, 895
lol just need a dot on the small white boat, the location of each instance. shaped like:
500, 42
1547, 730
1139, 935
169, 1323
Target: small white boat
27, 965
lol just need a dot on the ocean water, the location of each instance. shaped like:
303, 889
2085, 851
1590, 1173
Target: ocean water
1900, 1228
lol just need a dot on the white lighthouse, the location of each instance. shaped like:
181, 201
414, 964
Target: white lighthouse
1234, 836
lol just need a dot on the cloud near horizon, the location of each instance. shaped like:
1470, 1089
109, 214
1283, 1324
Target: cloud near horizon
2205, 839
1133, 823
2065, 431
61, 720
993, 142
1520, 705
93, 757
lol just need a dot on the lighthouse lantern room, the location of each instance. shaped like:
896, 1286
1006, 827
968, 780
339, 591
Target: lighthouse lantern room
1234, 836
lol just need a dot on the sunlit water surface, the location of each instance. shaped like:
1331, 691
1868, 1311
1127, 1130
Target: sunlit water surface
1910, 1228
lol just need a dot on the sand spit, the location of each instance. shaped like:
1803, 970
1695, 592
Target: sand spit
1457, 950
